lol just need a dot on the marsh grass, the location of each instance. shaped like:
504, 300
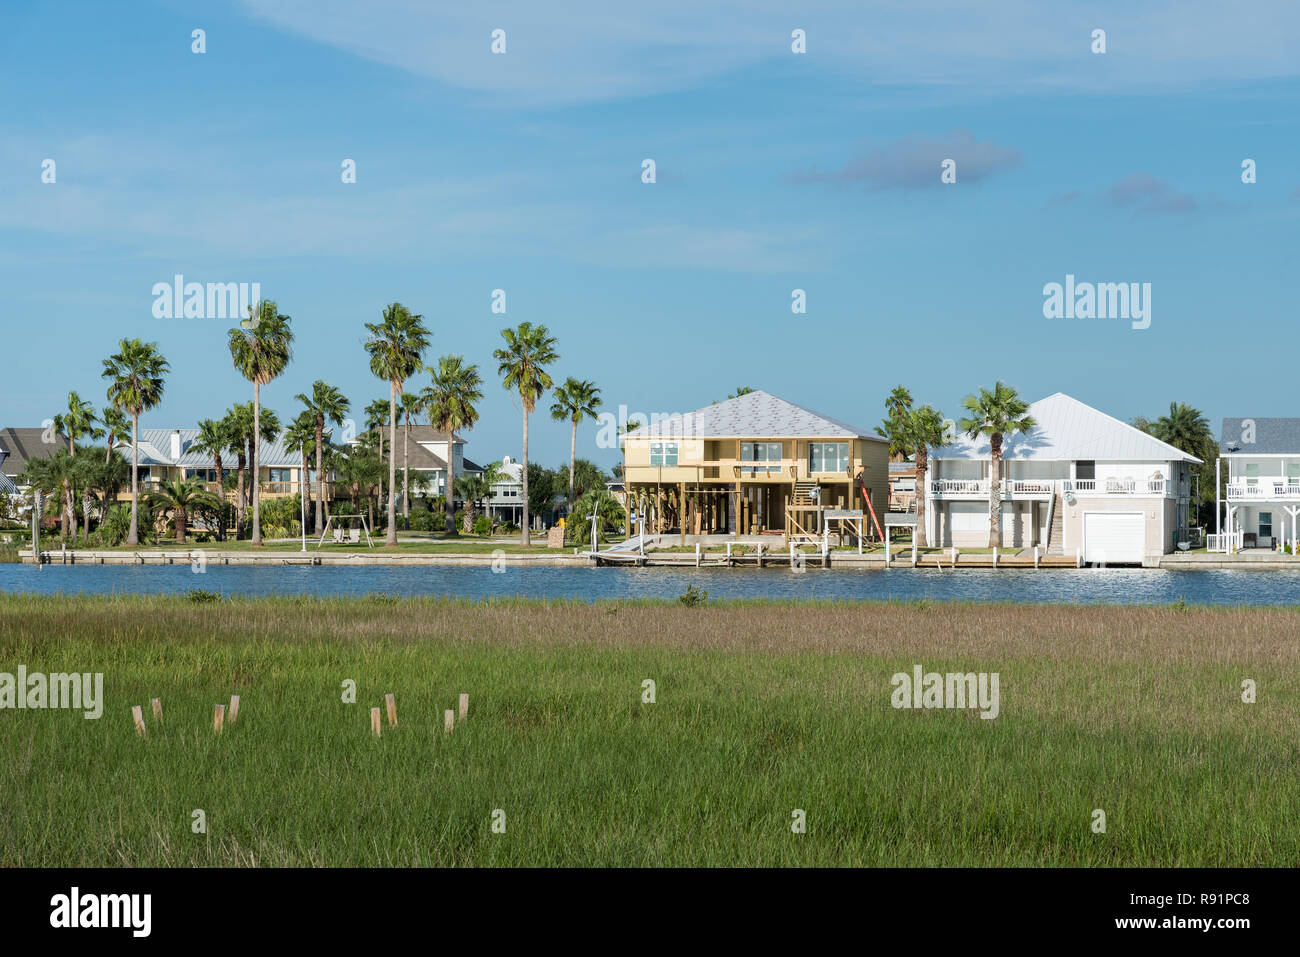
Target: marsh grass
761, 708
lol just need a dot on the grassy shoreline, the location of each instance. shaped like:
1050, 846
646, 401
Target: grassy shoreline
762, 707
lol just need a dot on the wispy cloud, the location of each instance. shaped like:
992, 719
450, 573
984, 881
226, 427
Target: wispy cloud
914, 162
1145, 193
587, 50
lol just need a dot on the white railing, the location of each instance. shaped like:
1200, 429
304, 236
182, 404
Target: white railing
1223, 542
1116, 486
1029, 486
942, 487
1264, 488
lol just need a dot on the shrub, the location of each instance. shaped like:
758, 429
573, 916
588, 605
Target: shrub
482, 525
201, 596
693, 597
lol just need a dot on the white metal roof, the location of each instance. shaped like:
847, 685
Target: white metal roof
754, 415
1069, 430
156, 449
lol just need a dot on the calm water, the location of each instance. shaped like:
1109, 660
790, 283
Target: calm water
1072, 585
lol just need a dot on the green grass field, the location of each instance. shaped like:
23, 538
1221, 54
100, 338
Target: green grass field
761, 709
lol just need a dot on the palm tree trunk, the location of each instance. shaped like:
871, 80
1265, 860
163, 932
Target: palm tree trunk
922, 466
241, 465
221, 497
527, 539
573, 451
257, 441
320, 475
392, 465
133, 535
406, 475
180, 526
451, 483
995, 490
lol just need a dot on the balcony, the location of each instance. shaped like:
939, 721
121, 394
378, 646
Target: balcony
1264, 490
1119, 486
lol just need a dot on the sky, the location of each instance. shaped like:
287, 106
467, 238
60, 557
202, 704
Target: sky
775, 171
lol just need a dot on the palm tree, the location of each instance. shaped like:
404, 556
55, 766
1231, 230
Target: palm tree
249, 427
136, 384
522, 367
180, 498
925, 430
450, 401
475, 488
1185, 428
55, 473
326, 404
376, 415
300, 437
895, 426
80, 420
410, 406
996, 413
117, 428
261, 349
213, 439
604, 505
576, 400
396, 346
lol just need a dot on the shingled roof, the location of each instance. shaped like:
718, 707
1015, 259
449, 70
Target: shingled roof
753, 415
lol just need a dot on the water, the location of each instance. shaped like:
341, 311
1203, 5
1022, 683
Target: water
1111, 585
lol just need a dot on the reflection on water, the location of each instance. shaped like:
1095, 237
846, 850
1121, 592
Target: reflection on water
1115, 585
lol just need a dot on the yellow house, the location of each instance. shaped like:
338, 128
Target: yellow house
753, 465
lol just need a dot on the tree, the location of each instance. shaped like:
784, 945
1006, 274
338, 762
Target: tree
262, 348
178, 499
522, 367
300, 437
542, 485
78, 421
996, 413
451, 401
249, 427
925, 430
326, 404
1188, 430
895, 426
55, 473
576, 400
582, 477
117, 428
136, 381
604, 505
396, 345
214, 439
475, 488
409, 407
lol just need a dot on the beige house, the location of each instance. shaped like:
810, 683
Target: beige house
1081, 483
752, 465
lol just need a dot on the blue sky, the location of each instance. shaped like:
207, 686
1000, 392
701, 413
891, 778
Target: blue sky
775, 171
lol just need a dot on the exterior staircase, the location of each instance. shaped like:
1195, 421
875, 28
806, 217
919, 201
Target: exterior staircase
802, 494
1056, 534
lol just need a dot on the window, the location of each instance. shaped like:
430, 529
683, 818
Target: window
203, 475
663, 453
760, 452
828, 456
1252, 475
1265, 524
1085, 471
280, 475
1293, 474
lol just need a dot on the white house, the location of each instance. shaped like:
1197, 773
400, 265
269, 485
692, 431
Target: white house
507, 501
1080, 483
1260, 500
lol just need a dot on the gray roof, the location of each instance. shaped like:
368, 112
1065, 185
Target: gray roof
1069, 430
7, 486
25, 444
1261, 436
754, 415
156, 449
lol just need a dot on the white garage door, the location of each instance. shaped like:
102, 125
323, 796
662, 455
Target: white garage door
969, 516
1113, 537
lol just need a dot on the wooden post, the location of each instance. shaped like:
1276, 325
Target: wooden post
137, 715
218, 718
681, 508
448, 720
374, 722
390, 702
464, 706
234, 708
157, 709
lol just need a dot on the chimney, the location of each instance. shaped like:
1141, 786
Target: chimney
176, 445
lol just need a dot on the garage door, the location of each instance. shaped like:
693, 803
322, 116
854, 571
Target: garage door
1113, 537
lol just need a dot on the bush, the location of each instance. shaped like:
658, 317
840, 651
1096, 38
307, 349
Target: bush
201, 596
424, 520
482, 525
693, 597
